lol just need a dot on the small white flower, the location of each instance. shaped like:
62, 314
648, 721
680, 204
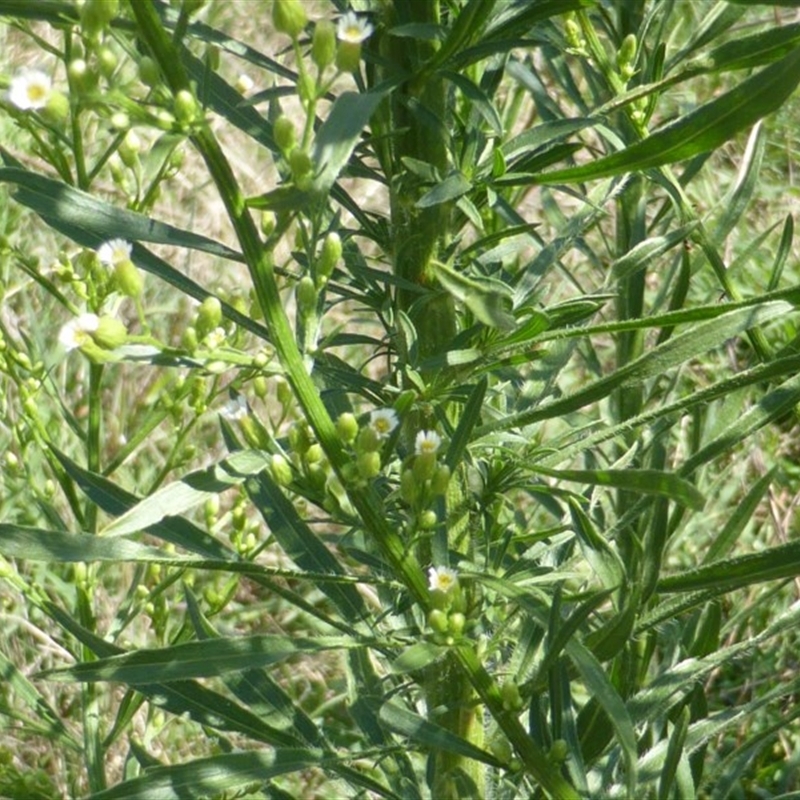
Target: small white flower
383, 421
114, 252
30, 89
244, 84
78, 331
352, 28
215, 338
442, 579
235, 408
427, 442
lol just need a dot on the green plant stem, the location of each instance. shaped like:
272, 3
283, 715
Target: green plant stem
94, 435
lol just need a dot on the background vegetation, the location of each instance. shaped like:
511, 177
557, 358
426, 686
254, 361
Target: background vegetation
434, 431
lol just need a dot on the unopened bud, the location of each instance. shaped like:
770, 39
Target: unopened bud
110, 333
440, 479
129, 149
127, 278
284, 133
424, 466
106, 61
369, 464
306, 295
456, 623
185, 107
330, 254
348, 56
409, 490
289, 17
323, 45
428, 520
149, 73
347, 427
300, 163
299, 438
81, 78
281, 470
438, 620
268, 222
209, 316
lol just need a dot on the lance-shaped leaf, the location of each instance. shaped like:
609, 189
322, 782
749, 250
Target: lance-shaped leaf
701, 130
489, 301
202, 659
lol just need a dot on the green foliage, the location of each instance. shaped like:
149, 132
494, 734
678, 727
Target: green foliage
470, 474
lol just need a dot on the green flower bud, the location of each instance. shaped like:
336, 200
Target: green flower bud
281, 470
428, 520
314, 454
209, 316
149, 73
348, 56
299, 438
347, 427
323, 45
329, 255
572, 33
409, 489
120, 121
368, 440
456, 623
96, 14
438, 621
306, 295
129, 149
300, 163
268, 222
289, 17
283, 392
189, 339
284, 133
260, 386
81, 78
110, 333
128, 279
559, 752
501, 748
440, 479
317, 475
627, 52
106, 61
185, 107
57, 107
424, 466
512, 699
369, 464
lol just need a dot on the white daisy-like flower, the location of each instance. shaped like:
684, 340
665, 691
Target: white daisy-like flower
114, 252
78, 331
235, 409
427, 442
30, 89
442, 579
352, 28
383, 421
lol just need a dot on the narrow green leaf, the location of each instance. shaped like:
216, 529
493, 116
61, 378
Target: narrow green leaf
640, 256
489, 301
46, 722
478, 98
775, 563
432, 737
737, 521
35, 544
770, 407
216, 776
191, 490
680, 348
115, 501
300, 543
416, 657
645, 481
466, 424
339, 134
55, 200
197, 659
452, 187
699, 131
